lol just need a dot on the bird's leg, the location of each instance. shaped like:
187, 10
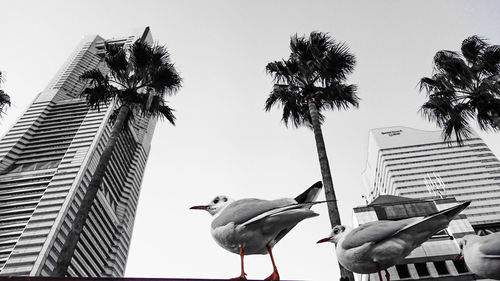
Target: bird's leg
243, 274
387, 275
274, 275
378, 271
460, 255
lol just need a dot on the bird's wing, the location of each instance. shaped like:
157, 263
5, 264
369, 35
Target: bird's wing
281, 220
372, 232
243, 210
420, 230
490, 245
280, 211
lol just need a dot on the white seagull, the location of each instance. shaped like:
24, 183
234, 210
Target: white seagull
482, 254
379, 245
253, 226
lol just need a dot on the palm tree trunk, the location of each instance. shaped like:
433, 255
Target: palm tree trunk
326, 175
69, 246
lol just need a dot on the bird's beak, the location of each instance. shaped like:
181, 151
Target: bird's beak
201, 207
327, 239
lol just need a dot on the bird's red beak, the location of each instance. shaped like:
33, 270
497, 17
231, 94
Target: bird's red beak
327, 239
201, 207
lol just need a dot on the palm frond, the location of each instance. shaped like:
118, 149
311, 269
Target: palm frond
450, 64
338, 62
472, 47
452, 118
164, 111
116, 60
152, 105
99, 92
4, 101
488, 110
283, 71
490, 60
165, 79
458, 124
99, 96
288, 97
337, 96
94, 77
141, 56
429, 85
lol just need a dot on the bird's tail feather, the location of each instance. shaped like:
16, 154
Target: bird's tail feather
452, 212
310, 194
436, 221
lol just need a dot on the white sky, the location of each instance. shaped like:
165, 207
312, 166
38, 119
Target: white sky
224, 142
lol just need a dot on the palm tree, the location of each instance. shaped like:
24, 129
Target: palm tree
310, 81
138, 81
4, 97
463, 87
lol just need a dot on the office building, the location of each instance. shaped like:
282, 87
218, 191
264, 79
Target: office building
418, 164
46, 162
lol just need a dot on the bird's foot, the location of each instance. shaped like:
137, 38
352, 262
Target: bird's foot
273, 276
459, 256
241, 277
387, 275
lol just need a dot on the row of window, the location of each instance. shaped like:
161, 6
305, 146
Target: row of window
452, 176
480, 155
465, 141
446, 164
423, 270
433, 149
449, 170
469, 151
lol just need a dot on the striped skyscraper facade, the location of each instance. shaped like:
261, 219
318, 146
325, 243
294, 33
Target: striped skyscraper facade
46, 162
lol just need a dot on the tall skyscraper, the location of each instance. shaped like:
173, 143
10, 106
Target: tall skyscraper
46, 163
418, 164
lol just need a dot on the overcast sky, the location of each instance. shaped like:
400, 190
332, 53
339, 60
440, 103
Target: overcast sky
224, 142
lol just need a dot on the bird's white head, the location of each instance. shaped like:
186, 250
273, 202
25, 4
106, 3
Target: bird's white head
337, 232
216, 205
462, 243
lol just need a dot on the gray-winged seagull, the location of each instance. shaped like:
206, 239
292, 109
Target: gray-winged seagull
482, 254
378, 245
254, 226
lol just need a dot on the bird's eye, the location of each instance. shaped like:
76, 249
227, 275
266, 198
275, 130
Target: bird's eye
216, 200
224, 199
336, 231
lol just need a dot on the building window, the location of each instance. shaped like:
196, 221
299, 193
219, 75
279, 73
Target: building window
422, 269
441, 267
460, 266
403, 271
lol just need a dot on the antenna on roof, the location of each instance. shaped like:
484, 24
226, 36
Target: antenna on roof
435, 185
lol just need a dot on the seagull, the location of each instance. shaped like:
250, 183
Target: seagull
482, 254
253, 226
379, 245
